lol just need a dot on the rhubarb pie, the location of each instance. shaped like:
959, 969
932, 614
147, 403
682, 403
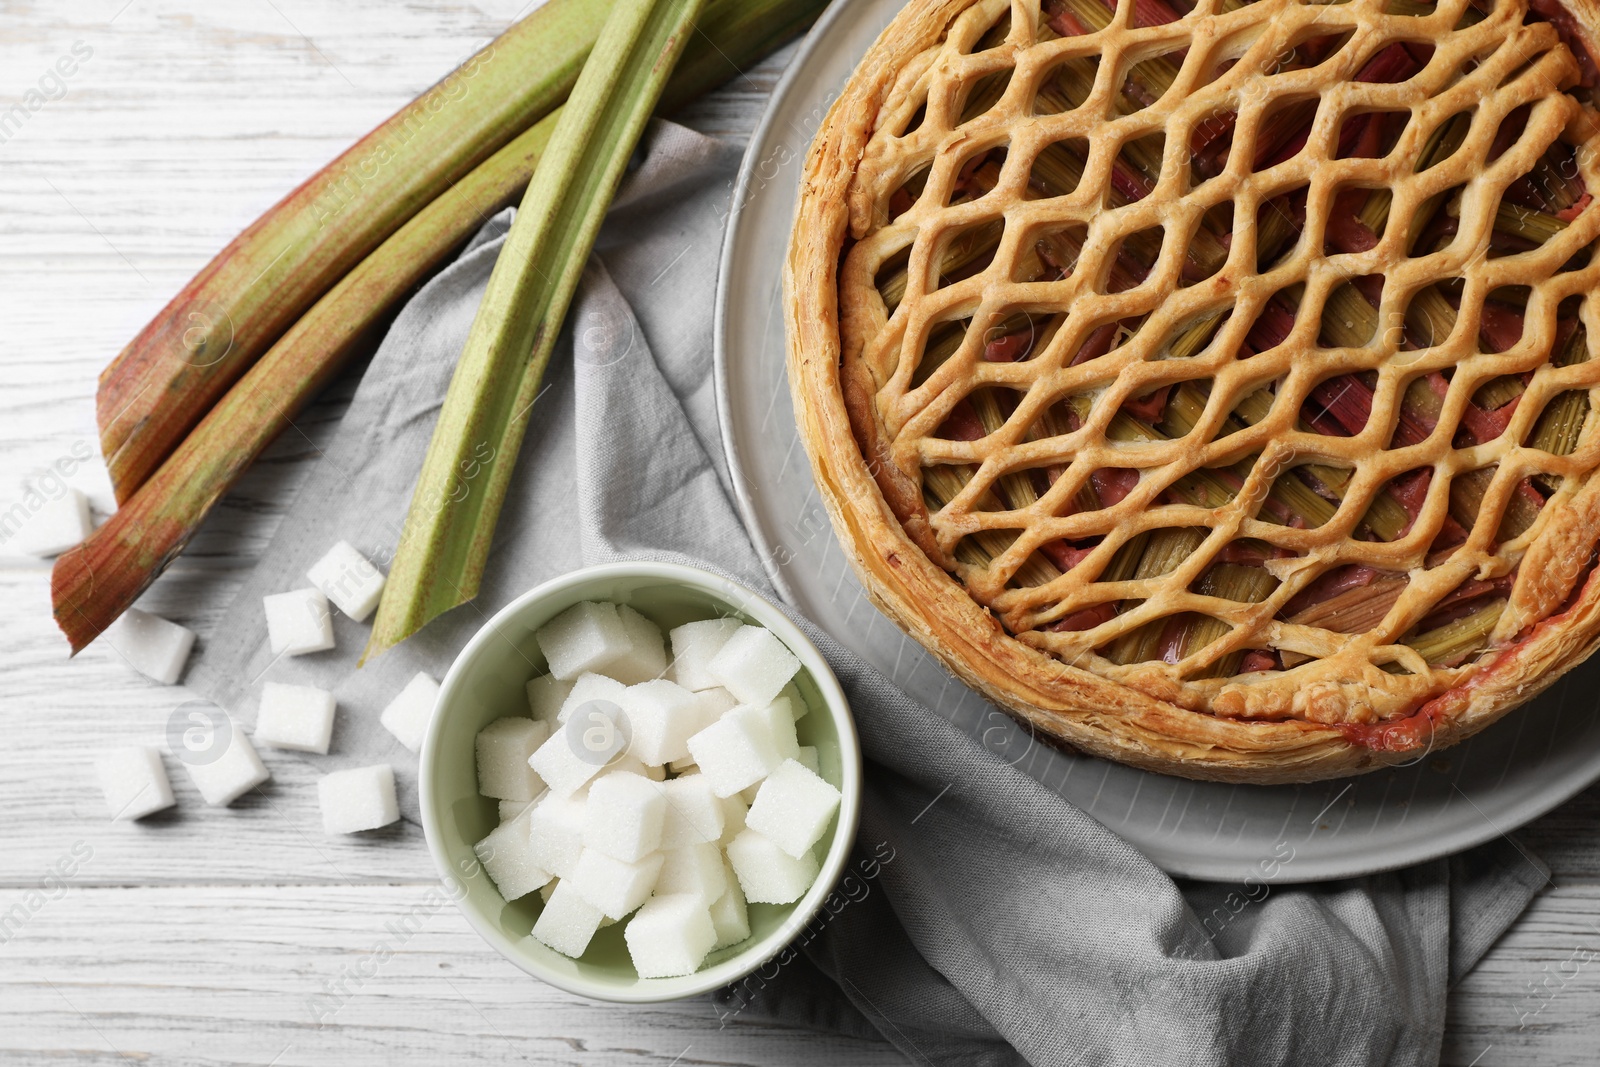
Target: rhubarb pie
1211, 386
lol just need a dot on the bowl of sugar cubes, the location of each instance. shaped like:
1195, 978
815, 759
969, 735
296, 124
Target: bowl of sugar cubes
640, 782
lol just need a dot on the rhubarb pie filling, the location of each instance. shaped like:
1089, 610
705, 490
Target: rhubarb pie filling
1212, 385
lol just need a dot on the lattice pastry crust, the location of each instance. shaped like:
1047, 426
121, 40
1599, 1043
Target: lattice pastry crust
1212, 387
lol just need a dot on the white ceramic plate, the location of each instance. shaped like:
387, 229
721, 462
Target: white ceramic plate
1527, 764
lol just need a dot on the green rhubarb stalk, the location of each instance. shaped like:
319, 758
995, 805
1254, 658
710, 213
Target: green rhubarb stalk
219, 324
448, 529
95, 582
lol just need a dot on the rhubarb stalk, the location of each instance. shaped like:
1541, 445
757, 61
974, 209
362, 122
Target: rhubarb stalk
447, 533
219, 324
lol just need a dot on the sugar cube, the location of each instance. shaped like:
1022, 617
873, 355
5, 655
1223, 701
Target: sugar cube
298, 622
627, 761
503, 750
694, 814
361, 798
661, 715
753, 665
566, 766
298, 717
546, 694
670, 936
231, 775
567, 922
615, 886
513, 809
681, 767
748, 794
729, 915
734, 810
151, 645
55, 525
767, 874
695, 869
693, 645
714, 704
646, 657
507, 857
134, 782
779, 721
735, 751
797, 703
793, 808
809, 759
623, 816
582, 638
348, 579
555, 832
408, 714
591, 688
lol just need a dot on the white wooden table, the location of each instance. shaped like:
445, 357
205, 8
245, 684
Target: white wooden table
203, 935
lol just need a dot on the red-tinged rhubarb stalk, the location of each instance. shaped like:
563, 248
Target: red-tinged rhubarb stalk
447, 534
94, 583
207, 336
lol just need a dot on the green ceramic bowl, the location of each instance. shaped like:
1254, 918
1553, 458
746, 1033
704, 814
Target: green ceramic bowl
486, 682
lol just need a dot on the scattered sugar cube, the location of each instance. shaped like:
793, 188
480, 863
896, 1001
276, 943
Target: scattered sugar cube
694, 814
734, 810
513, 809
662, 715
298, 622
566, 767
582, 638
231, 775
681, 767
298, 717
736, 751
780, 724
646, 657
767, 874
555, 832
588, 688
694, 869
567, 922
615, 886
809, 759
134, 782
546, 694
503, 750
507, 857
793, 808
56, 525
670, 936
348, 579
753, 665
361, 798
797, 703
693, 646
729, 915
151, 645
408, 714
623, 816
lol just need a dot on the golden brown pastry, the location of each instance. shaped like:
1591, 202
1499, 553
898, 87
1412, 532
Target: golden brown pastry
1212, 387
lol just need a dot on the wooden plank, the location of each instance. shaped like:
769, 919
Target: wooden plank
306, 975
1533, 999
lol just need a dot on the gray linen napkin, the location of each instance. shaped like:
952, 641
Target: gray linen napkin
983, 920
